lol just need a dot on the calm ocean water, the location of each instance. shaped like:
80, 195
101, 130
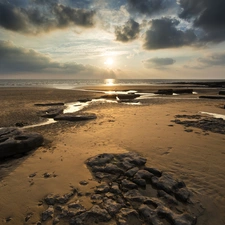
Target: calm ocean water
76, 83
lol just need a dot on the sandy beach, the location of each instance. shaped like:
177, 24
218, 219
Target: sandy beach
192, 154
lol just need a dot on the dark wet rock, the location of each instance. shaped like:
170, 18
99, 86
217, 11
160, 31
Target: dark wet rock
84, 100
221, 92
56, 220
143, 174
100, 160
20, 124
48, 214
140, 182
111, 206
129, 199
154, 171
177, 219
149, 215
108, 168
50, 199
134, 195
106, 176
14, 141
51, 113
96, 197
167, 198
83, 182
127, 184
212, 97
167, 183
115, 188
131, 172
164, 92
120, 96
75, 117
215, 125
50, 104
183, 91
103, 188
92, 216
182, 194
127, 216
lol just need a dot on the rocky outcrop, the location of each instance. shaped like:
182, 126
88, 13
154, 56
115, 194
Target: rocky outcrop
215, 125
14, 141
50, 104
120, 199
75, 116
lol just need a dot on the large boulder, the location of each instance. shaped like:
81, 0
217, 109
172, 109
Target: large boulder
14, 141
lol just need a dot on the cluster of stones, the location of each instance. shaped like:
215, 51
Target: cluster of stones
15, 142
56, 112
128, 193
215, 125
172, 91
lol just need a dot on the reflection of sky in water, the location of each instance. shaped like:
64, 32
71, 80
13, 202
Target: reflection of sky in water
215, 115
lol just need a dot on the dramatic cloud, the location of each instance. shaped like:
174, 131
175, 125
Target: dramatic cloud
208, 15
128, 32
15, 60
158, 63
34, 20
164, 33
149, 7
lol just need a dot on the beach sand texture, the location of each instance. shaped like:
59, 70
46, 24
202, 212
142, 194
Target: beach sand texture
188, 153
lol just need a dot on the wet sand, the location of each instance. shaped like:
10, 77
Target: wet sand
196, 157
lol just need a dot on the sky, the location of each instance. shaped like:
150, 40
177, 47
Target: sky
123, 39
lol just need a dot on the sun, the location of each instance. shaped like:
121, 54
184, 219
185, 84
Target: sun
109, 62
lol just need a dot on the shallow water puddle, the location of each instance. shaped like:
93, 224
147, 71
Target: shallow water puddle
215, 115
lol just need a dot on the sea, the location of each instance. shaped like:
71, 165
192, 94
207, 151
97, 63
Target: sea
76, 83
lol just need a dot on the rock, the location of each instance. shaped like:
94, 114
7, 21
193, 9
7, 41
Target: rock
134, 195
14, 141
111, 206
131, 172
50, 104
106, 176
128, 184
182, 194
84, 100
154, 171
50, 199
115, 188
167, 183
143, 174
132, 158
51, 113
83, 182
140, 182
92, 216
168, 198
48, 214
75, 117
221, 92
164, 92
75, 209
149, 215
96, 197
99, 160
128, 216
108, 168
103, 188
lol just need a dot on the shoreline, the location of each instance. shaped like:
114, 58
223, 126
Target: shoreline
196, 157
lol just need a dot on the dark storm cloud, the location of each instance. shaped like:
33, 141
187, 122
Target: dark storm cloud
149, 7
158, 62
127, 32
15, 60
35, 20
164, 33
208, 15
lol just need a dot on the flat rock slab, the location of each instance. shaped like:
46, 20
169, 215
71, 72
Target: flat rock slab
51, 113
50, 104
14, 141
75, 117
129, 193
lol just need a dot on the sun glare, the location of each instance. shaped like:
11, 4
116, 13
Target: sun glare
109, 62
109, 82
